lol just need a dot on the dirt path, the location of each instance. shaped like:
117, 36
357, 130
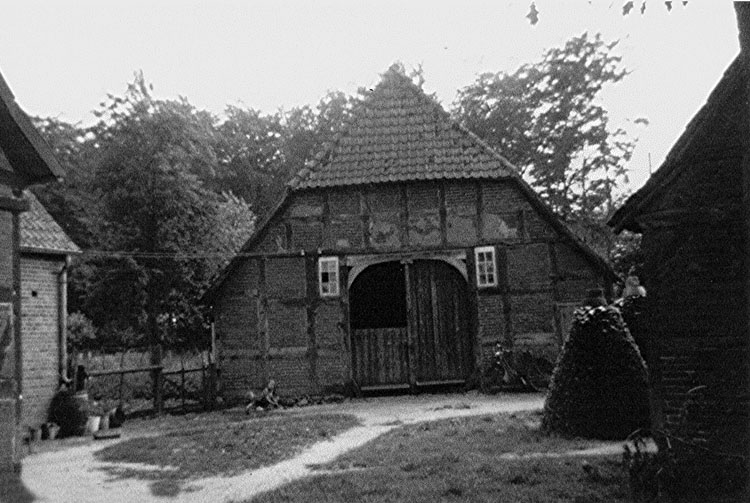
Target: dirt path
75, 475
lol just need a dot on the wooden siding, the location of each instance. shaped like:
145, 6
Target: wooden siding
380, 357
694, 271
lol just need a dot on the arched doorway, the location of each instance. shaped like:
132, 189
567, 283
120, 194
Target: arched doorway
410, 325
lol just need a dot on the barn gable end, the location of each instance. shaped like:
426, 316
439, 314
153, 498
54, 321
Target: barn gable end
402, 185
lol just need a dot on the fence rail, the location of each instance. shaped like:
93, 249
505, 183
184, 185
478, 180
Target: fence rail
175, 387
97, 373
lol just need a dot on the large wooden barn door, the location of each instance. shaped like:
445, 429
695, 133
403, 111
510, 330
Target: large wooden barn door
439, 323
380, 358
378, 327
410, 325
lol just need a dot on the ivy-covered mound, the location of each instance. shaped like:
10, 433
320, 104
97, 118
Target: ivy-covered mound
599, 388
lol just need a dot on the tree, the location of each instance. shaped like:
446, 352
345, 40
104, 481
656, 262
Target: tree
250, 162
258, 154
627, 8
70, 202
164, 233
308, 130
545, 119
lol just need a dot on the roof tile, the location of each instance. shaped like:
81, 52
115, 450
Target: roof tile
40, 232
399, 134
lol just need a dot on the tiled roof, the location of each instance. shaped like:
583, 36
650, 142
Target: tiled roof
40, 232
398, 133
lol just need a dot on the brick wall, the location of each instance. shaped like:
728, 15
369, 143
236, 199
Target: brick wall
39, 329
694, 276
272, 324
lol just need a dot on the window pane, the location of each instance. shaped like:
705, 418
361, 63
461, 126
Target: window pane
485, 266
328, 276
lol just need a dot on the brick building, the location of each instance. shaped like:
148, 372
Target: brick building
45, 257
397, 260
690, 214
24, 160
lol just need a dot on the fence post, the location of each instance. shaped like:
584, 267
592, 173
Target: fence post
209, 387
182, 384
156, 360
122, 377
158, 382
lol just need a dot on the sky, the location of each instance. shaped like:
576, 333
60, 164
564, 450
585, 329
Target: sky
62, 57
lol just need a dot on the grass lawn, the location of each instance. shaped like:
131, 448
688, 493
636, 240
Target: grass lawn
464, 459
218, 444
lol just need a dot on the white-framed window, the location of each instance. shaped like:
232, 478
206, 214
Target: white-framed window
328, 276
486, 269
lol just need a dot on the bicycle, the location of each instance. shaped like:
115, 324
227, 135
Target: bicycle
522, 370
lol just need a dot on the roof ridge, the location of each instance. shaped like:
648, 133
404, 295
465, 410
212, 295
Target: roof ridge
328, 147
399, 132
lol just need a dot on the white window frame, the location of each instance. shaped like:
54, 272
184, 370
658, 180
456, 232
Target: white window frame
480, 266
329, 265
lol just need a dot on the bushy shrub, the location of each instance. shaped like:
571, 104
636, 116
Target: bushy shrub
599, 387
81, 332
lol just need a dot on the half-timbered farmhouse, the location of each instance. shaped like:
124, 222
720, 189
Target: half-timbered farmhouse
690, 215
398, 259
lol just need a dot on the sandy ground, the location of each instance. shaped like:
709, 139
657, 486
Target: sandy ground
74, 475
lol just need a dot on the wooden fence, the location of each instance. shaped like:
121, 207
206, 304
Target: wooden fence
153, 388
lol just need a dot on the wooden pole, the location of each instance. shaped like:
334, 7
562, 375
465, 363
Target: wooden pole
62, 320
411, 330
158, 385
182, 381
122, 377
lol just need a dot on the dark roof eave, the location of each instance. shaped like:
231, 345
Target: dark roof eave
33, 250
625, 217
22, 142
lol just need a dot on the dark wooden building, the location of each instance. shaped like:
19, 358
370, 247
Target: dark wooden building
24, 160
397, 260
690, 215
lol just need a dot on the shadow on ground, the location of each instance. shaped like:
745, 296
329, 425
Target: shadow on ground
14, 490
165, 483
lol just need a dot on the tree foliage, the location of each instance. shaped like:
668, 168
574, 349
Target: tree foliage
69, 201
545, 119
160, 195
139, 198
627, 7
